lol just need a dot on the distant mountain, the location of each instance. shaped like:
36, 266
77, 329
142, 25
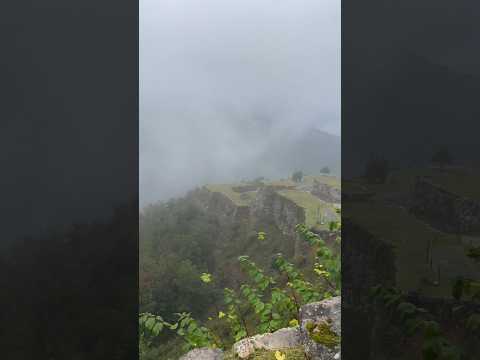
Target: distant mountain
414, 108
254, 153
308, 152
417, 89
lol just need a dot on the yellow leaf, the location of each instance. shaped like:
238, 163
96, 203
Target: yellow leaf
221, 314
293, 322
206, 277
280, 356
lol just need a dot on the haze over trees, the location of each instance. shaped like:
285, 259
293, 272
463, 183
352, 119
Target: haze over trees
234, 91
202, 251
297, 176
376, 170
442, 156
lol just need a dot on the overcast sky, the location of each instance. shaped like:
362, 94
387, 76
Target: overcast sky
220, 80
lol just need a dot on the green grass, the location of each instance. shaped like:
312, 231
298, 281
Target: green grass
457, 181
315, 209
285, 182
356, 186
318, 213
410, 238
460, 183
332, 181
239, 199
308, 179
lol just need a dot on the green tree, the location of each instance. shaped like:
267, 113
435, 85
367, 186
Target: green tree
376, 170
297, 176
264, 302
325, 170
442, 156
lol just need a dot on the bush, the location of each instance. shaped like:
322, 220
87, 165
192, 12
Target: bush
264, 303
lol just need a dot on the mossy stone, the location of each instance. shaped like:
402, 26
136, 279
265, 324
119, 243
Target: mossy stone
322, 333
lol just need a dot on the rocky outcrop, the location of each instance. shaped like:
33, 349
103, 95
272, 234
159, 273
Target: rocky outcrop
326, 192
284, 213
219, 205
319, 333
443, 209
366, 261
203, 354
280, 339
318, 337
267, 206
320, 329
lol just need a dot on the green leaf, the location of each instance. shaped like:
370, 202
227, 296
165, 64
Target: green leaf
473, 322
259, 306
150, 323
206, 277
406, 308
432, 328
157, 328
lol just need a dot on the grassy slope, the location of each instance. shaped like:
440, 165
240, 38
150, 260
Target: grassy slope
459, 183
396, 226
332, 181
317, 212
456, 181
240, 199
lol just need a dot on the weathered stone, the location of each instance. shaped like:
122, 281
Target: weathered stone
284, 213
326, 193
320, 329
203, 354
280, 339
444, 209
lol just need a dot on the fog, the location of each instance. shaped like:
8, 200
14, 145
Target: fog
221, 81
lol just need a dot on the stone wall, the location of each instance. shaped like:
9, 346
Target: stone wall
369, 329
366, 262
445, 210
215, 203
326, 193
284, 213
268, 209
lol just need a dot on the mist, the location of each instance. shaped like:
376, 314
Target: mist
223, 82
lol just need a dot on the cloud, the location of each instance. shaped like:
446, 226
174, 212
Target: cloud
220, 80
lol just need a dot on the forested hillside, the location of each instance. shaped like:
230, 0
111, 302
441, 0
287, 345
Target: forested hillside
191, 248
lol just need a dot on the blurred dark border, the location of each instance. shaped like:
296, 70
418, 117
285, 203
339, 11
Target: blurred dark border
69, 179
410, 170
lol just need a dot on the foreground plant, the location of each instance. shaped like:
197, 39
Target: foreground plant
186, 327
262, 304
